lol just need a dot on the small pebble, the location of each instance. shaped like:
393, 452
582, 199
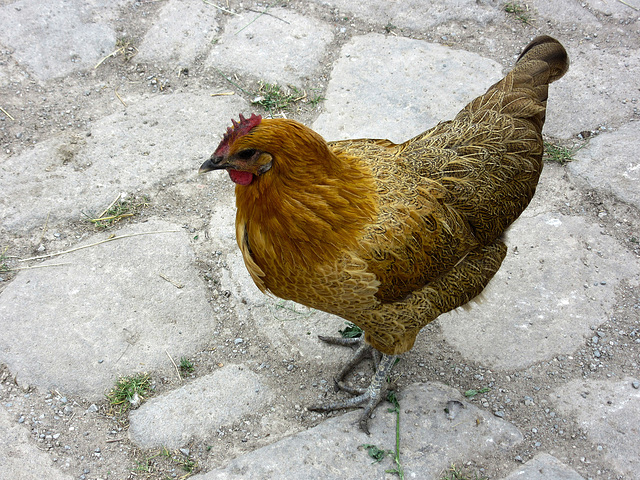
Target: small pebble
635, 384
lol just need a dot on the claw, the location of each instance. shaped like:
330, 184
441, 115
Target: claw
367, 399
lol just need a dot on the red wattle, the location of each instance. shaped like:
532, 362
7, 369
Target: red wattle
240, 177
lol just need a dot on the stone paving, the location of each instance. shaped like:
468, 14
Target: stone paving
556, 336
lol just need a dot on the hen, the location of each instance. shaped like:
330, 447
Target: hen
389, 236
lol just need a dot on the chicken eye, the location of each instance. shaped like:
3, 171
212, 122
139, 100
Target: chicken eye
246, 154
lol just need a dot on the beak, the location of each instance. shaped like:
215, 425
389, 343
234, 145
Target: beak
214, 163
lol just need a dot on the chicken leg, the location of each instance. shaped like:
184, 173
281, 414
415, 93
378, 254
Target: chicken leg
368, 398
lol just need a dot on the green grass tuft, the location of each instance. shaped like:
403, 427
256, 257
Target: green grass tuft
117, 211
559, 154
472, 392
519, 11
3, 258
273, 97
186, 365
454, 473
129, 391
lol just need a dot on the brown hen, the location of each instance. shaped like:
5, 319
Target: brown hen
390, 236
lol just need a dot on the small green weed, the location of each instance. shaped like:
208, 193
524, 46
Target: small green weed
180, 459
472, 392
560, 154
376, 453
118, 210
519, 11
273, 97
391, 397
186, 365
129, 391
453, 473
144, 466
316, 99
165, 460
351, 331
3, 257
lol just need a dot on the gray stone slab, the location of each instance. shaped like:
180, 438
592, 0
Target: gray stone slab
558, 279
627, 10
19, 458
429, 442
562, 11
282, 47
600, 89
106, 312
544, 467
56, 37
198, 409
415, 85
610, 163
609, 412
127, 151
417, 14
182, 31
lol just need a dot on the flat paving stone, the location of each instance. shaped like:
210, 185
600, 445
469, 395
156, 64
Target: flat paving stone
544, 467
56, 37
416, 14
430, 442
182, 31
416, 84
198, 409
610, 163
107, 311
566, 12
559, 278
598, 90
281, 47
128, 151
20, 459
627, 10
609, 412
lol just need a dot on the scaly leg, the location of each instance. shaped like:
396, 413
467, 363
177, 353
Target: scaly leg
367, 398
363, 351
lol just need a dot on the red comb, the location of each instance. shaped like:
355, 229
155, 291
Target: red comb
238, 130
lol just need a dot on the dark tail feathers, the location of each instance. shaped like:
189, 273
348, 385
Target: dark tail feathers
545, 59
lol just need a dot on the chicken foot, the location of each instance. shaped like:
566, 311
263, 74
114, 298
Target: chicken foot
363, 351
367, 398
